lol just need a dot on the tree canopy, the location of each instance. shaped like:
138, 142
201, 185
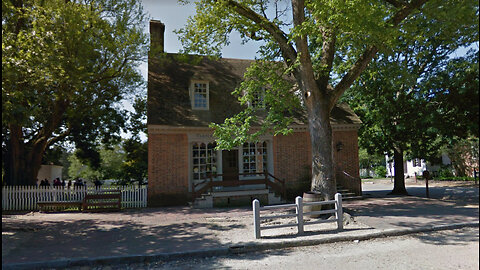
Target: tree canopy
125, 162
323, 46
417, 104
66, 65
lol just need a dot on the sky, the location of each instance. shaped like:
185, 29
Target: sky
174, 15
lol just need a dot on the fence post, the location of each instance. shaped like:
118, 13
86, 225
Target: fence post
256, 217
339, 211
299, 209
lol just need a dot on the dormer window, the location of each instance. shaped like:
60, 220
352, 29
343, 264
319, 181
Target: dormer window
199, 95
258, 99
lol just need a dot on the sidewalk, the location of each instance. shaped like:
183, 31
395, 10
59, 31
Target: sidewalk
66, 239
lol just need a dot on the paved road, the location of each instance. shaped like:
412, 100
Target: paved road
454, 249
445, 191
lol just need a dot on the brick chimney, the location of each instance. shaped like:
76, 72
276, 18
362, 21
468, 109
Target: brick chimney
157, 35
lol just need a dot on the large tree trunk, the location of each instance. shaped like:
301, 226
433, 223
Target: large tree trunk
23, 167
399, 179
15, 165
23, 160
323, 171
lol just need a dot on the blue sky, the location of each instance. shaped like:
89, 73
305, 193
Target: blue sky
174, 15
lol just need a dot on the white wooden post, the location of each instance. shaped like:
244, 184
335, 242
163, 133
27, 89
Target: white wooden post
256, 217
339, 211
299, 210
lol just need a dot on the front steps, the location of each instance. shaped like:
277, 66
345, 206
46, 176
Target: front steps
236, 198
347, 194
245, 197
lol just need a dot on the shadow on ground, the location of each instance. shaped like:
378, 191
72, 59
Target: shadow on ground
313, 233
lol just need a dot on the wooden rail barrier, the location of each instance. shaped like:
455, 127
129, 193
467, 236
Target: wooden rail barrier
299, 214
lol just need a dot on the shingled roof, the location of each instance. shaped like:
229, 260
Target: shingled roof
169, 77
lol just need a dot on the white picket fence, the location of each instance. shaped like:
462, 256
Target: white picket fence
19, 198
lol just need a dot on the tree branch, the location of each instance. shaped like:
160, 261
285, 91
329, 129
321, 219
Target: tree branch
395, 3
405, 11
369, 53
288, 51
306, 67
328, 53
352, 74
58, 138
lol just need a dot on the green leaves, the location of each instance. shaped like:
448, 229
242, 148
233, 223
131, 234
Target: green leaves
416, 101
270, 82
413, 42
66, 65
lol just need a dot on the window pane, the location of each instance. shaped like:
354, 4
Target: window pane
200, 95
203, 159
254, 157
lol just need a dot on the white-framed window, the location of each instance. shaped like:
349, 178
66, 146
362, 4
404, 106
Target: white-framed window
254, 157
199, 93
258, 100
204, 160
417, 162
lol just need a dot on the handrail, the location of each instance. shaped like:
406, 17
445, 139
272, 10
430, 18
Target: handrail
198, 184
209, 183
347, 174
350, 182
273, 176
283, 190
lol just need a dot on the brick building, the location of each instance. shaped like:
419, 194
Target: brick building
185, 95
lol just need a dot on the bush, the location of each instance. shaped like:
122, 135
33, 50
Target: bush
452, 178
381, 171
445, 172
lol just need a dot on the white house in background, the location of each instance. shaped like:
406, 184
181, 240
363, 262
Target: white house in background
416, 166
49, 172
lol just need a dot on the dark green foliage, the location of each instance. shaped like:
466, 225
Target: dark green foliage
135, 166
325, 46
66, 65
381, 171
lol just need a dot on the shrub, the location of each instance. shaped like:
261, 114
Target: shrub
445, 172
381, 171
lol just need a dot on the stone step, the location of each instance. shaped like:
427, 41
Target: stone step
347, 194
351, 198
206, 199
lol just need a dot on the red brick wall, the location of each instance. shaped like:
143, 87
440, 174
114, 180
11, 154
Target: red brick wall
167, 169
292, 157
347, 158
168, 164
